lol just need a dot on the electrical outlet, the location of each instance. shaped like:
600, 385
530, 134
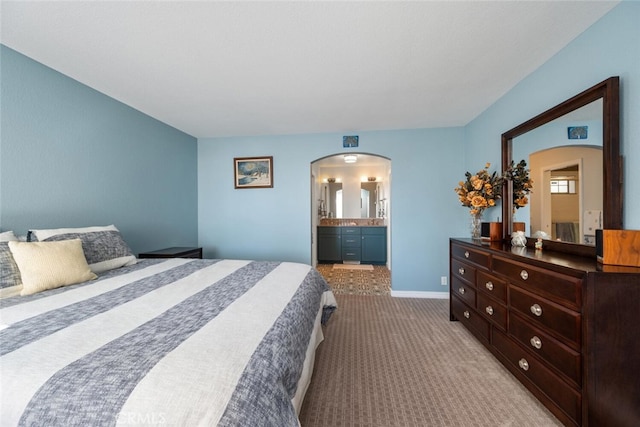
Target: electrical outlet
443, 280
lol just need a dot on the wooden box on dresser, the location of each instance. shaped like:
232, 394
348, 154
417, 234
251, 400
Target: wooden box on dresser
563, 325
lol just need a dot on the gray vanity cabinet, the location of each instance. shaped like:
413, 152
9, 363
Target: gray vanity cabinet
329, 244
367, 245
351, 246
374, 245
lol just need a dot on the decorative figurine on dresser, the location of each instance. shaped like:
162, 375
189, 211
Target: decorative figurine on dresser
563, 323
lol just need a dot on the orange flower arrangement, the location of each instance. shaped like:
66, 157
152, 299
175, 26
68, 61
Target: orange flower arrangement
480, 191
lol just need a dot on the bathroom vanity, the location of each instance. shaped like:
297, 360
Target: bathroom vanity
352, 243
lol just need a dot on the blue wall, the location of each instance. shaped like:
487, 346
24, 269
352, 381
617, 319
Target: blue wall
71, 156
276, 223
426, 165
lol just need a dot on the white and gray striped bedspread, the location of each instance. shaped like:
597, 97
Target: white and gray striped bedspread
176, 342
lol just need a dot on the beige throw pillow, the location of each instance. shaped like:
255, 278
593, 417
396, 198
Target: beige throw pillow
49, 265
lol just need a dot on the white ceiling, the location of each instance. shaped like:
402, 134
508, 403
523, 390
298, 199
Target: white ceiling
263, 68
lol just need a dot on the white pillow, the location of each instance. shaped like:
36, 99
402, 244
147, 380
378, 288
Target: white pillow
8, 236
49, 265
104, 247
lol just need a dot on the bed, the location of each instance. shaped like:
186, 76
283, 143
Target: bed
171, 342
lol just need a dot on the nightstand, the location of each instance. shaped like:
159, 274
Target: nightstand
175, 252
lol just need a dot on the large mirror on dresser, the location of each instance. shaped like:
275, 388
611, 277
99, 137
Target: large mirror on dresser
573, 151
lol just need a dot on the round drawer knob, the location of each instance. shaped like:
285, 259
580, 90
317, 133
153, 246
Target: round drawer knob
489, 310
536, 342
461, 290
461, 271
489, 286
536, 310
524, 274
466, 314
524, 365
466, 254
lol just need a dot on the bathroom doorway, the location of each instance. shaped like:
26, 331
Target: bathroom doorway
352, 193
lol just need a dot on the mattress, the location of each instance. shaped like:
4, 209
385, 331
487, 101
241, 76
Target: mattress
171, 342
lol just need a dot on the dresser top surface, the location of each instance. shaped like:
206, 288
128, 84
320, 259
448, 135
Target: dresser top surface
541, 257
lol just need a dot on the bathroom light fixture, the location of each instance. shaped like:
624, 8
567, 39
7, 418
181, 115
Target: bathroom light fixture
371, 179
350, 158
331, 180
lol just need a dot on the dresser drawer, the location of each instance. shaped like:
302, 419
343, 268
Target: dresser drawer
492, 310
563, 395
558, 355
492, 285
463, 271
558, 320
558, 287
464, 291
479, 258
470, 318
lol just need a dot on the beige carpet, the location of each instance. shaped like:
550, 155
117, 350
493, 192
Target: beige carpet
351, 281
400, 362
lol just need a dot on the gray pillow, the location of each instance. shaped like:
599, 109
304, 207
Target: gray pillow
9, 273
104, 248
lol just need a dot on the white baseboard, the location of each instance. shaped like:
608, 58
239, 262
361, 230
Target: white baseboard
420, 294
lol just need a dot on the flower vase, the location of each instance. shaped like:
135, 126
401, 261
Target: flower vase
476, 220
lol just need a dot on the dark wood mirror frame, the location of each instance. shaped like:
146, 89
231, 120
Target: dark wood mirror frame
609, 91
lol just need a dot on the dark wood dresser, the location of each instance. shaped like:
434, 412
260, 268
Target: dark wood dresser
562, 324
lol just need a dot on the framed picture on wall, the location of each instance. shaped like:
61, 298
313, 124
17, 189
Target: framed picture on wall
253, 172
350, 141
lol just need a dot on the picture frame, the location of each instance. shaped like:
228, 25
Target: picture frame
350, 141
253, 172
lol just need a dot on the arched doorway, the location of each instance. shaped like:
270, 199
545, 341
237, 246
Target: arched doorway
352, 192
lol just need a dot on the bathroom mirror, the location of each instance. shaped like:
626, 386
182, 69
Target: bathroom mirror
353, 190
520, 142
334, 201
368, 199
